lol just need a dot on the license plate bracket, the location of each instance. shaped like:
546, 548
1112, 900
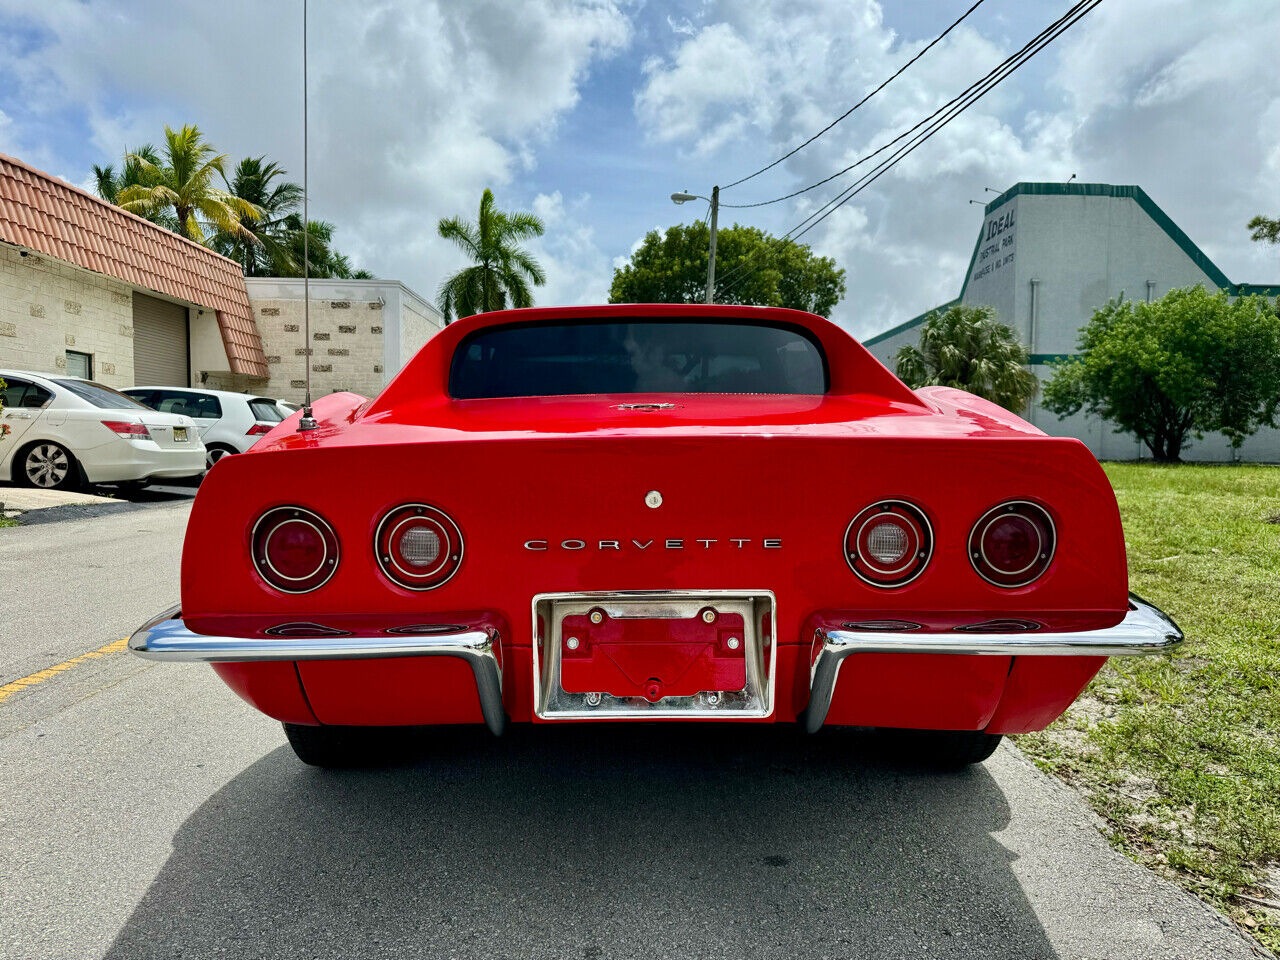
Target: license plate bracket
654, 654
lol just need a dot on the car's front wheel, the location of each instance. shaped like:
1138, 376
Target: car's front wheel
333, 747
48, 466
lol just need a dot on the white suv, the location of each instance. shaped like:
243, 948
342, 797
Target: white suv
228, 422
57, 432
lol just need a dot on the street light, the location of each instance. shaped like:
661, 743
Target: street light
714, 200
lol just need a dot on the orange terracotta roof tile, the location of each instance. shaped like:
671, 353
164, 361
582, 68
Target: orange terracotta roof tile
50, 216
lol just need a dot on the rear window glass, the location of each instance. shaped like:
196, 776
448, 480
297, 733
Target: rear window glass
636, 356
266, 411
202, 405
101, 396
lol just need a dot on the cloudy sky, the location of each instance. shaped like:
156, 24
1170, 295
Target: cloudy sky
591, 112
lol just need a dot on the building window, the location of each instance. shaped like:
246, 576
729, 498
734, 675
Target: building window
79, 364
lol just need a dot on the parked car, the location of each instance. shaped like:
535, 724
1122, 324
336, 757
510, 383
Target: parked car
640, 512
228, 422
60, 432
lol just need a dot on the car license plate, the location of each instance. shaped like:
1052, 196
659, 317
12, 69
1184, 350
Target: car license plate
179, 434
654, 654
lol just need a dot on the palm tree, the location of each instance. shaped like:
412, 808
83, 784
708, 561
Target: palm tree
325, 261
263, 247
109, 182
968, 348
502, 272
183, 183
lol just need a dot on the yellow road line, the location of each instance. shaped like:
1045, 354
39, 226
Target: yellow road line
9, 689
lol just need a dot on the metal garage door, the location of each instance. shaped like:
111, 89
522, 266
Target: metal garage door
160, 347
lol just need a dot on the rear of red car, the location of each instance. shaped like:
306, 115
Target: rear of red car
452, 554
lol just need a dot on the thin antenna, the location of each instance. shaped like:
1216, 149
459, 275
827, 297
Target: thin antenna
307, 421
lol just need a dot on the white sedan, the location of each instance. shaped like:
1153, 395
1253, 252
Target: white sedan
59, 432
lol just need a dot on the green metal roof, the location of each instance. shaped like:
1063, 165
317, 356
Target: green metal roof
1126, 191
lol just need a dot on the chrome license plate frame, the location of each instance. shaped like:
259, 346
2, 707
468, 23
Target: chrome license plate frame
755, 701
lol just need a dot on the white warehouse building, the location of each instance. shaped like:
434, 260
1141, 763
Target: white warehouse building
1048, 255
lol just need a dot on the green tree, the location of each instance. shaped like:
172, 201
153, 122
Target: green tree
325, 261
183, 182
501, 273
751, 267
109, 181
262, 245
1265, 229
1187, 364
969, 348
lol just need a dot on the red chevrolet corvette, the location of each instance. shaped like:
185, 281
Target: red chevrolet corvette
643, 512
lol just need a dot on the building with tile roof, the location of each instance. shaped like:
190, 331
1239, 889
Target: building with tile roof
91, 290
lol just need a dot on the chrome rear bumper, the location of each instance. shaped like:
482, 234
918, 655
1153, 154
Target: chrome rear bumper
167, 637
1144, 630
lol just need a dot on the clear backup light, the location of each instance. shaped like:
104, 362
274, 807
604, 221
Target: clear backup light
294, 550
1013, 543
889, 543
418, 546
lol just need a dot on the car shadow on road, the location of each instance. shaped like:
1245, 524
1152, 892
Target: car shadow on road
595, 841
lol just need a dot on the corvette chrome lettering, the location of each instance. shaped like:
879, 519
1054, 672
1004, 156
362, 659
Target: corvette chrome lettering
671, 543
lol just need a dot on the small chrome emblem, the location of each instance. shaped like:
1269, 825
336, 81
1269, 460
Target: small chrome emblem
653, 499
645, 406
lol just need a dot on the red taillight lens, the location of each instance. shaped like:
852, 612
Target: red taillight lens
1012, 544
889, 543
125, 428
258, 429
418, 546
294, 550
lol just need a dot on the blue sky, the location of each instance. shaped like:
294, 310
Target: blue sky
591, 112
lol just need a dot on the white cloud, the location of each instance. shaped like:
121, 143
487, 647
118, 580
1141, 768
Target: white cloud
1166, 94
415, 107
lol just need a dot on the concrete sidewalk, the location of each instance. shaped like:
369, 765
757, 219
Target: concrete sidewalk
19, 500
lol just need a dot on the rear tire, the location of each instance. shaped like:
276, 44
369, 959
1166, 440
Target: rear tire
944, 749
215, 453
334, 748
46, 465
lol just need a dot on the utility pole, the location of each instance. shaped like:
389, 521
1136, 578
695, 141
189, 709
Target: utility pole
714, 200
711, 258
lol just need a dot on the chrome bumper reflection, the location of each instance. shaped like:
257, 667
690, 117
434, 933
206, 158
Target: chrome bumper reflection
1144, 630
167, 637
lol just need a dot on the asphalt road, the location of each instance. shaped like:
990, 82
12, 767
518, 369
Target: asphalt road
146, 812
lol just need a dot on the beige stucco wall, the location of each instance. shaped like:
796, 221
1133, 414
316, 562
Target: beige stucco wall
362, 332
48, 307
417, 326
346, 346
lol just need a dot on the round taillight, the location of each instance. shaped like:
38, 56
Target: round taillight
418, 546
294, 550
889, 543
1012, 544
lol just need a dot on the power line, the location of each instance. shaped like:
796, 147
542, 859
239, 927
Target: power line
932, 43
1003, 68
971, 96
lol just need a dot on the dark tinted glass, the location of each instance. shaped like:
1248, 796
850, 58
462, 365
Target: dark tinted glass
636, 356
101, 396
266, 411
187, 403
13, 391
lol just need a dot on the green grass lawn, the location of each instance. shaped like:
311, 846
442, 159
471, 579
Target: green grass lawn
1181, 754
